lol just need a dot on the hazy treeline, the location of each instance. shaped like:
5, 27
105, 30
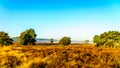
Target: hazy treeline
28, 37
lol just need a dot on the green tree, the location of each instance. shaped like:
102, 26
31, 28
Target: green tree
51, 40
108, 39
65, 41
96, 40
86, 41
5, 39
28, 37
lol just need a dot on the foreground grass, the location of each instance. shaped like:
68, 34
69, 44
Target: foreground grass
73, 56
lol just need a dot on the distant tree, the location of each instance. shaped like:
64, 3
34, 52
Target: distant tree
65, 41
28, 37
5, 39
16, 39
96, 40
86, 41
108, 39
51, 40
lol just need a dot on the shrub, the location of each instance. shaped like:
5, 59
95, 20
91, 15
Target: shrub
51, 40
86, 41
108, 39
28, 37
5, 39
65, 41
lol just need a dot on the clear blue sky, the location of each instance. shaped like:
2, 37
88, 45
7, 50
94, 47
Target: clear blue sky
79, 19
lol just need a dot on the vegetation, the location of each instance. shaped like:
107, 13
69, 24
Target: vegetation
65, 41
5, 39
107, 39
73, 56
16, 39
28, 37
86, 41
51, 40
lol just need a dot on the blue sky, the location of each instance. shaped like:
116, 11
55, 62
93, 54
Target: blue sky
79, 19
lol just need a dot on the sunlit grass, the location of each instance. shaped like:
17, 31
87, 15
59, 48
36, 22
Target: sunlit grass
57, 56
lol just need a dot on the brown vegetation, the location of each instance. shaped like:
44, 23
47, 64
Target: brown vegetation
73, 56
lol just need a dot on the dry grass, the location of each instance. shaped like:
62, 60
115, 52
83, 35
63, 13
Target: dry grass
73, 56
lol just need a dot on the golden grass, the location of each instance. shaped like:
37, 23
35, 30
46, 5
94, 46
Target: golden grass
56, 56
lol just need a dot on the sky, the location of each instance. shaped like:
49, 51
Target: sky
78, 19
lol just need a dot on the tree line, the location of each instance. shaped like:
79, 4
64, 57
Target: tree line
28, 37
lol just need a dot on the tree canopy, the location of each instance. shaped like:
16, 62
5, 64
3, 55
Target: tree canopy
65, 41
110, 38
51, 40
27, 37
5, 39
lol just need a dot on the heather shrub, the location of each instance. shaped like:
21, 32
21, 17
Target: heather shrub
65, 41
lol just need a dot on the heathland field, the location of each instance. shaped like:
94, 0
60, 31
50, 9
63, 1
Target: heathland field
57, 56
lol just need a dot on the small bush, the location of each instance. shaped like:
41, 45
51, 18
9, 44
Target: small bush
65, 41
51, 40
86, 41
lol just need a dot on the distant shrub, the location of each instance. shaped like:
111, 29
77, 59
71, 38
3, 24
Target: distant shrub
86, 41
5, 39
16, 39
51, 40
65, 41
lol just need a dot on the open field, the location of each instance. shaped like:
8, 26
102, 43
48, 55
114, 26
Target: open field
56, 56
